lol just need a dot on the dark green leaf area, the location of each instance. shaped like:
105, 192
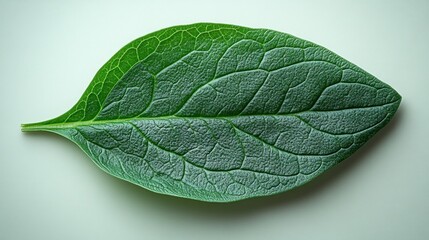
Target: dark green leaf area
222, 113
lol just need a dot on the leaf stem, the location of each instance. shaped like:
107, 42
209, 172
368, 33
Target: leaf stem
33, 127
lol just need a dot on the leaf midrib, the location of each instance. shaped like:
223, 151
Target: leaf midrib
53, 126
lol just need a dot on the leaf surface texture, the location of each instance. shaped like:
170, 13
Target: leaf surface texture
221, 113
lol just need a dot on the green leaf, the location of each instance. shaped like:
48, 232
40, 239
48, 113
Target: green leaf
221, 113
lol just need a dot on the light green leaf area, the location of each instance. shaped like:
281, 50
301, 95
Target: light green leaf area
221, 113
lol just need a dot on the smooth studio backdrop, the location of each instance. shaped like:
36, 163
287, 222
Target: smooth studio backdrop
49, 189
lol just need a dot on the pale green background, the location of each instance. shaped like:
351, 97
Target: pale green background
50, 189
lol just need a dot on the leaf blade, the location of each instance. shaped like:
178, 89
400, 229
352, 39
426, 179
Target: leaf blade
223, 113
